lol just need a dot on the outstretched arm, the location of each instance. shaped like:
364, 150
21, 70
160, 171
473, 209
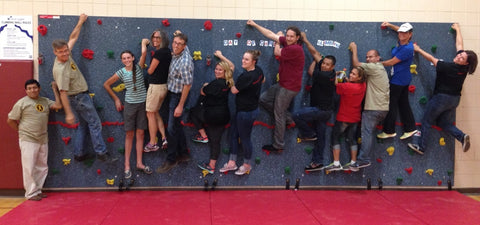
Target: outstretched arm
315, 54
266, 32
353, 47
425, 55
219, 54
76, 31
389, 25
459, 39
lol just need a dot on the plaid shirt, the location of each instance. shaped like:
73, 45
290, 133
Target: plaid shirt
180, 72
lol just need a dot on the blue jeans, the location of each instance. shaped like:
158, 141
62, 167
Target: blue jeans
89, 121
370, 119
176, 136
242, 128
440, 110
318, 118
276, 100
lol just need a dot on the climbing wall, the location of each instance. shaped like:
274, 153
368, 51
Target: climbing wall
103, 38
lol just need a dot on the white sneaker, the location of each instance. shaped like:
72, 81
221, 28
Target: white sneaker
408, 134
226, 168
384, 135
242, 170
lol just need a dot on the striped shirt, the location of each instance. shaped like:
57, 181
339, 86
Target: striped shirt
126, 77
180, 72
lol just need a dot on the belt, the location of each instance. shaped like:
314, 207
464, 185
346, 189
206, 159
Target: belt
85, 92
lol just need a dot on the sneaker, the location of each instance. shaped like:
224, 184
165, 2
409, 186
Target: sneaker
226, 168
271, 148
313, 138
84, 157
42, 195
207, 167
346, 166
183, 158
146, 170
466, 143
333, 167
106, 157
164, 144
408, 134
314, 167
243, 170
384, 135
150, 148
35, 198
198, 138
358, 165
415, 148
167, 166
128, 174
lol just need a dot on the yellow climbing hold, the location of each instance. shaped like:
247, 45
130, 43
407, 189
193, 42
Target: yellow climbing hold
442, 141
91, 95
390, 150
429, 171
197, 55
359, 140
66, 161
413, 69
110, 181
205, 173
119, 87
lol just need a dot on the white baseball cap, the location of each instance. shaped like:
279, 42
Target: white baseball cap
406, 27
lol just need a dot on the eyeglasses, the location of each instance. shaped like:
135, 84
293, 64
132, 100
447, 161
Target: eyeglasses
156, 37
178, 43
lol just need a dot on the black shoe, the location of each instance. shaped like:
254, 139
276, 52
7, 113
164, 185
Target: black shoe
415, 148
167, 166
106, 158
183, 158
466, 143
314, 167
84, 157
271, 148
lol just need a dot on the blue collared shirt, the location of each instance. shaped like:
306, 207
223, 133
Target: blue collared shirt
180, 72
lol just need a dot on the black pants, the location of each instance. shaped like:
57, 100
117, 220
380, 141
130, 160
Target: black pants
399, 104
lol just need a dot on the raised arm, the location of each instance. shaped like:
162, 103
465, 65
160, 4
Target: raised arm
311, 68
76, 31
459, 38
425, 55
219, 54
389, 25
143, 57
266, 32
353, 47
315, 54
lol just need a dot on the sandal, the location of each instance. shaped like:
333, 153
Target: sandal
146, 169
128, 174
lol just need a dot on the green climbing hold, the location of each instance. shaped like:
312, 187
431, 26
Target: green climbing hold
287, 170
226, 151
89, 162
423, 100
55, 171
110, 54
257, 160
452, 30
331, 26
449, 172
379, 141
308, 150
121, 150
434, 48
99, 108
399, 180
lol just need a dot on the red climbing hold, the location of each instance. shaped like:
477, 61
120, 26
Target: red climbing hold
110, 139
99, 171
239, 35
165, 23
379, 160
42, 29
207, 25
439, 183
411, 88
87, 53
99, 22
66, 140
409, 170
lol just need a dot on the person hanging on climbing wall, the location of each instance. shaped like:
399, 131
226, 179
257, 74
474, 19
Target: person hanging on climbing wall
441, 108
134, 115
75, 97
29, 117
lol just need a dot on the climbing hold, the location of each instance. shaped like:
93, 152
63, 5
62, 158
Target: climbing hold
99, 108
40, 59
42, 29
99, 171
239, 35
110, 139
89, 162
87, 53
205, 173
409, 170
209, 60
383, 27
331, 26
226, 151
110, 181
207, 25
423, 100
91, 95
55, 171
439, 183
66, 139
413, 69
379, 140
308, 150
165, 22
257, 160
299, 140
429, 171
442, 141
379, 160
452, 30
278, 77
119, 88
399, 180
99, 22
66, 161
287, 170
197, 55
121, 150
341, 76
359, 140
287, 184
390, 150
449, 172
411, 88
110, 54
434, 48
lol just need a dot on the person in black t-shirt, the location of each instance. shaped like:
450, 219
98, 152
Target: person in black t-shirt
448, 87
247, 90
213, 110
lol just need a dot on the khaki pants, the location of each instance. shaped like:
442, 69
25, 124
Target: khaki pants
34, 165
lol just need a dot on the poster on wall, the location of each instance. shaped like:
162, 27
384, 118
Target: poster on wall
16, 37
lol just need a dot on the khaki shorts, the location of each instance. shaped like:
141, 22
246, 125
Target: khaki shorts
155, 95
